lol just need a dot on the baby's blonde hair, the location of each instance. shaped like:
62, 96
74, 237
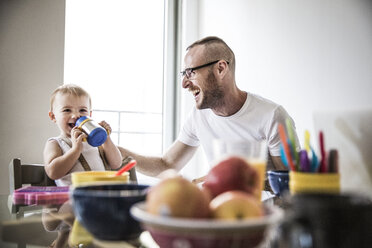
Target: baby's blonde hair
71, 89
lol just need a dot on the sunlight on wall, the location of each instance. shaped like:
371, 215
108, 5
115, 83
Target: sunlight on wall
114, 50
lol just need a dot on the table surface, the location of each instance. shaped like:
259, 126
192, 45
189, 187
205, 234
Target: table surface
43, 226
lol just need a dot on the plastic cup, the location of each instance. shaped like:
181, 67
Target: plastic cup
97, 135
254, 152
302, 182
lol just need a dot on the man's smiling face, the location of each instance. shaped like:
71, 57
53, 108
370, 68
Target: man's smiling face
202, 83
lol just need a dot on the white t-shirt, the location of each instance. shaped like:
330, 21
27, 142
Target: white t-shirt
257, 120
91, 155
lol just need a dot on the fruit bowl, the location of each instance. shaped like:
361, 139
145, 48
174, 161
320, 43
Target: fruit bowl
208, 233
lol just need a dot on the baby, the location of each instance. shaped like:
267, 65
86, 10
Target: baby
68, 152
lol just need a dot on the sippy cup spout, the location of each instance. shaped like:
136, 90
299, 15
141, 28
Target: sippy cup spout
97, 135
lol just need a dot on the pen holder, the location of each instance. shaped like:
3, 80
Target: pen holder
97, 135
302, 182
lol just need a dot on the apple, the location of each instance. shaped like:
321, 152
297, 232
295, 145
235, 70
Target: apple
178, 197
233, 173
235, 205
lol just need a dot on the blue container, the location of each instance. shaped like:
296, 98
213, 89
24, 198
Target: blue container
104, 210
279, 181
97, 135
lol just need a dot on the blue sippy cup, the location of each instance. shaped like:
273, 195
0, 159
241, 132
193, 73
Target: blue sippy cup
97, 135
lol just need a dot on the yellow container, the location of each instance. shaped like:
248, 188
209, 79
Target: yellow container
79, 235
302, 182
83, 178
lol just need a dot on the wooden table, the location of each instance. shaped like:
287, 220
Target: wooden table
46, 225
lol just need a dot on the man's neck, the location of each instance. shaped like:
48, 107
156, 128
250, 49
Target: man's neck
232, 103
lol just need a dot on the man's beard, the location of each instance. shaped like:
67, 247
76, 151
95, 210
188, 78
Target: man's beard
212, 93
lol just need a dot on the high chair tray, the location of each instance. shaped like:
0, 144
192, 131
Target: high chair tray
40, 195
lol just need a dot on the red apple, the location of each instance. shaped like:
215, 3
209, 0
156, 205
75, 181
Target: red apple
233, 173
178, 197
235, 205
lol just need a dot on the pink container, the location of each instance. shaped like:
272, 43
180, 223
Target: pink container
38, 195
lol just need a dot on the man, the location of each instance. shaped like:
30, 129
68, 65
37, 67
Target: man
222, 110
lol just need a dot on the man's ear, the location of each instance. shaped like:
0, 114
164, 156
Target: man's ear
52, 116
90, 113
222, 68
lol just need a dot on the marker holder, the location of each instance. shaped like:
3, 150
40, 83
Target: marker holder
304, 182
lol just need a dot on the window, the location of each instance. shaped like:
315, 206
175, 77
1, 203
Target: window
114, 50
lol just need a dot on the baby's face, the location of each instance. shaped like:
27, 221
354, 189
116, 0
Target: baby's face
67, 109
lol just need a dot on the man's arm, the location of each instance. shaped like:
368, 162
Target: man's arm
278, 164
175, 158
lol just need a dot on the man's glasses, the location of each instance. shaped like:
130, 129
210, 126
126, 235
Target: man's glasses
189, 71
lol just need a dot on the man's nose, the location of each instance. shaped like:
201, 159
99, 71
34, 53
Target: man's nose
185, 82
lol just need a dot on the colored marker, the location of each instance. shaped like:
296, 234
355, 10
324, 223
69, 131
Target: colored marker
307, 140
287, 152
304, 161
323, 164
293, 140
333, 161
314, 161
282, 156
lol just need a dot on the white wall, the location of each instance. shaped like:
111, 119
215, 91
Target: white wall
31, 67
305, 55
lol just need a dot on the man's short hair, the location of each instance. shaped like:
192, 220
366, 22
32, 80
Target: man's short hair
215, 48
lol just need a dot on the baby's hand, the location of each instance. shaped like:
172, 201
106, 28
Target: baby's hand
106, 126
77, 137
